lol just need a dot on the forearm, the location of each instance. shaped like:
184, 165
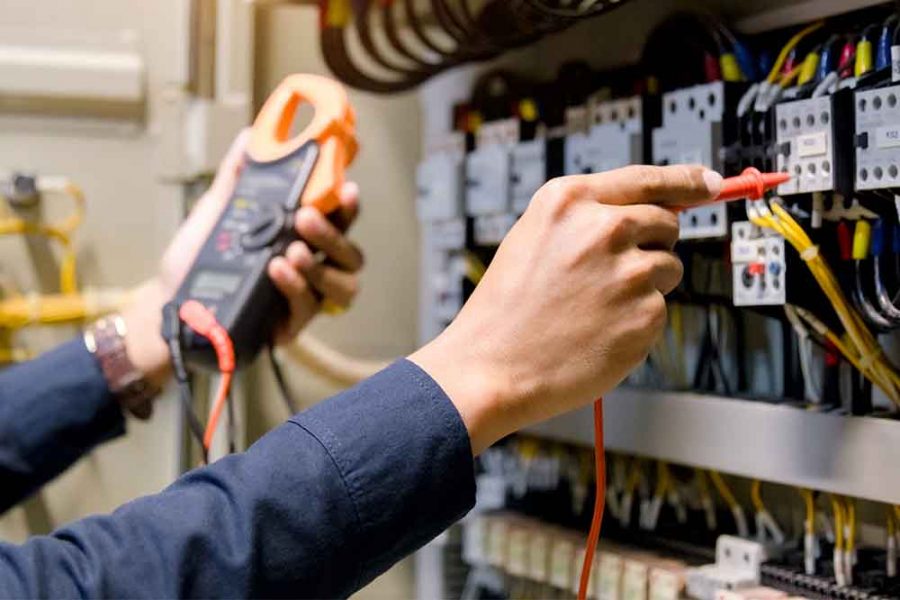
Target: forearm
316, 508
52, 411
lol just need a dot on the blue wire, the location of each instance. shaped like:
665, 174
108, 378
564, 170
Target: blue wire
878, 232
883, 55
745, 60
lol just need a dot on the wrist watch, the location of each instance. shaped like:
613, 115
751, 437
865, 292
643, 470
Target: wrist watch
105, 339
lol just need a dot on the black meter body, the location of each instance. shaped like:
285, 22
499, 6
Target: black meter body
281, 173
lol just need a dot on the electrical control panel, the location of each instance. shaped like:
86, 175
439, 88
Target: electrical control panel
691, 133
614, 138
813, 141
759, 270
604, 147
439, 190
528, 172
488, 180
877, 138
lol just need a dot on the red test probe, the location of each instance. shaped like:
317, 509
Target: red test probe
750, 184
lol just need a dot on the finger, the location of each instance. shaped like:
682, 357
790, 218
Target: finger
299, 256
302, 301
322, 235
335, 285
348, 210
676, 185
652, 227
667, 269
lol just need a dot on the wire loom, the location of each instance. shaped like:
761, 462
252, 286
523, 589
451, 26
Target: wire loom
466, 35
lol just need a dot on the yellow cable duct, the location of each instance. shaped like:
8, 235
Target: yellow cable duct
55, 309
61, 232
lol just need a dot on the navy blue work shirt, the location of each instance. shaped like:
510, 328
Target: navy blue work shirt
316, 508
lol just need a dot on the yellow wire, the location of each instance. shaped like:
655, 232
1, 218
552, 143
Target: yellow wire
475, 268
790, 76
891, 524
863, 352
664, 477
723, 489
838, 523
756, 496
791, 43
850, 507
634, 477
809, 501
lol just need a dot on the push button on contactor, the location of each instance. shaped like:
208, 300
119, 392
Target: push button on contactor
265, 229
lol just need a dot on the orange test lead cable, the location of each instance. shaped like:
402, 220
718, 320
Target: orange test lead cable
203, 321
599, 501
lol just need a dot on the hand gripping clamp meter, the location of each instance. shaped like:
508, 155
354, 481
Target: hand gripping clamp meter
281, 174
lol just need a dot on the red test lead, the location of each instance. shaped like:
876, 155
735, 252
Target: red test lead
750, 184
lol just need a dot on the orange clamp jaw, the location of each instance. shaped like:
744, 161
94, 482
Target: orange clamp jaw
332, 128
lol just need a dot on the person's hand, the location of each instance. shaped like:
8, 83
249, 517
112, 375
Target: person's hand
572, 302
321, 268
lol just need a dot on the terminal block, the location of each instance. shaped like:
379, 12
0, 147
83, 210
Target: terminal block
877, 138
696, 124
759, 269
813, 141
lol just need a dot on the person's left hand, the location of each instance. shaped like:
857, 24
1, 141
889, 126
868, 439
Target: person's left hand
322, 268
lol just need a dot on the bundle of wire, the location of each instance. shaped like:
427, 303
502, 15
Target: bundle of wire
499, 25
859, 348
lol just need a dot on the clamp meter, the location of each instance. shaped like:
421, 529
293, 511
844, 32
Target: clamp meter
281, 174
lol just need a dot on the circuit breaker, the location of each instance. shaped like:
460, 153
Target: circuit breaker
439, 188
487, 180
813, 141
877, 118
758, 267
528, 172
691, 133
604, 147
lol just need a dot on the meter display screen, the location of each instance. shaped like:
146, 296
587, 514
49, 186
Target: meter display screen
214, 284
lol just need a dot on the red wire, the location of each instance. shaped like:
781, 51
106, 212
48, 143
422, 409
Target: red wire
221, 398
202, 320
599, 500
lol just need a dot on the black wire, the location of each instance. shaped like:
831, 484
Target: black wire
282, 382
231, 429
171, 333
186, 396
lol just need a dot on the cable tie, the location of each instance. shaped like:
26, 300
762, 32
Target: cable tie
810, 253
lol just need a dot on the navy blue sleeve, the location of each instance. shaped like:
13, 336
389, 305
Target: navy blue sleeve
52, 411
316, 508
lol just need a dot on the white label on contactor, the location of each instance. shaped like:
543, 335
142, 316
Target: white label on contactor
887, 137
812, 144
895, 63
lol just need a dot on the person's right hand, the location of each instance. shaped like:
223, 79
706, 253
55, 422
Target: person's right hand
572, 302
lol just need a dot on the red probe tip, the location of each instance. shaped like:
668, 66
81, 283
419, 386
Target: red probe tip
750, 184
